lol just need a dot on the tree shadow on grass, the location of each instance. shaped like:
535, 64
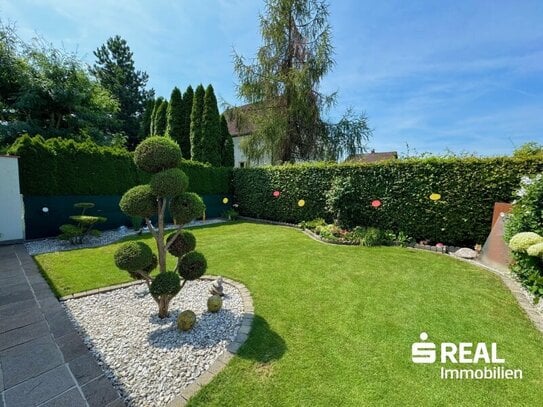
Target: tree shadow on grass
263, 345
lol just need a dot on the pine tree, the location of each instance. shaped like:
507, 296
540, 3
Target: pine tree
145, 125
184, 142
115, 70
156, 106
160, 120
211, 131
227, 145
174, 116
196, 147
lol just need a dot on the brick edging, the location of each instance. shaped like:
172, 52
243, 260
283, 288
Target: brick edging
232, 348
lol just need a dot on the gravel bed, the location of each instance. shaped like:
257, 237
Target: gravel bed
147, 359
109, 236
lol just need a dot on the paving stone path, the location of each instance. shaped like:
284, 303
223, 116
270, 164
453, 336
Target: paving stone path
43, 361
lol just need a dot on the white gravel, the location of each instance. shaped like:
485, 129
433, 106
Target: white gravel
147, 359
109, 236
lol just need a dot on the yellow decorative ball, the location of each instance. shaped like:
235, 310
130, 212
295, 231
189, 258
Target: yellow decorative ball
225, 201
435, 197
186, 320
301, 203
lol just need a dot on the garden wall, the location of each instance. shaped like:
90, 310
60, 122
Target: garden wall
56, 173
468, 187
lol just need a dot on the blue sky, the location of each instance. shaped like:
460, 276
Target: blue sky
434, 75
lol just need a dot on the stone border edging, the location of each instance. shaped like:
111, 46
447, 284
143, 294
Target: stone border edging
100, 290
232, 348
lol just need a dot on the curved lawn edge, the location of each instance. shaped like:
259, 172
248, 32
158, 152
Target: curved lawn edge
232, 348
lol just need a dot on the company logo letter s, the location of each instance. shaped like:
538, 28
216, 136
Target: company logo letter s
423, 352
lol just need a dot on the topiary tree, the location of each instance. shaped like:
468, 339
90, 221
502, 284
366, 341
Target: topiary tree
160, 157
83, 225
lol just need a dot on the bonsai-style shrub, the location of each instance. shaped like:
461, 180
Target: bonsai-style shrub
214, 303
161, 156
186, 320
83, 226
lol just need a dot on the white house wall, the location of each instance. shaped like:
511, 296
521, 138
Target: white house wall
239, 157
11, 203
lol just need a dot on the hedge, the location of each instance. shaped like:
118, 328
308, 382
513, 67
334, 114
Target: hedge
66, 167
469, 187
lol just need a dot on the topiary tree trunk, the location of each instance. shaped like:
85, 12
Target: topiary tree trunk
161, 156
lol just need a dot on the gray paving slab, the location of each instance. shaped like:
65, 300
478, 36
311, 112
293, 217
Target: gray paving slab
24, 334
43, 360
99, 392
39, 389
28, 360
85, 368
71, 398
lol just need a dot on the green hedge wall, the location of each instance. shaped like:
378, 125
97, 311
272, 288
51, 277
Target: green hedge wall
66, 167
469, 187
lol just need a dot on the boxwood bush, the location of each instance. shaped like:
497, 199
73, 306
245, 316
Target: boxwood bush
66, 167
469, 187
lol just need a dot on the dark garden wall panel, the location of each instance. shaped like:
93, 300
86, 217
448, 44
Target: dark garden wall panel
41, 224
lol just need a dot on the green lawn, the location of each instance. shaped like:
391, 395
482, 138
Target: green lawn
334, 324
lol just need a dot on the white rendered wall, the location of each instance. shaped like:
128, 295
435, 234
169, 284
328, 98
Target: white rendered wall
11, 202
239, 157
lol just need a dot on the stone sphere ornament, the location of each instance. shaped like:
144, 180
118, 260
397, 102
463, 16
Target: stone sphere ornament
214, 303
186, 320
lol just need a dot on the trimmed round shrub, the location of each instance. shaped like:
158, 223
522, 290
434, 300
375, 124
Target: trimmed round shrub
184, 242
214, 303
192, 265
84, 205
133, 256
139, 201
157, 153
170, 182
186, 207
535, 250
165, 284
186, 320
521, 241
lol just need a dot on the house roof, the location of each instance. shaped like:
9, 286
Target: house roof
372, 157
236, 126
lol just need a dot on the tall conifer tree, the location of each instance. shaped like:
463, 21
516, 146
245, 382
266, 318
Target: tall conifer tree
196, 146
227, 145
184, 143
211, 131
174, 116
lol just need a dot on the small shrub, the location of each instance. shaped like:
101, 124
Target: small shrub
184, 242
374, 237
192, 265
157, 153
535, 250
168, 183
312, 224
523, 240
230, 214
139, 201
186, 207
523, 230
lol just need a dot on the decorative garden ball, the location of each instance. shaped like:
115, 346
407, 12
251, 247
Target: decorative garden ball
186, 320
435, 197
376, 203
214, 303
301, 203
225, 201
276, 194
